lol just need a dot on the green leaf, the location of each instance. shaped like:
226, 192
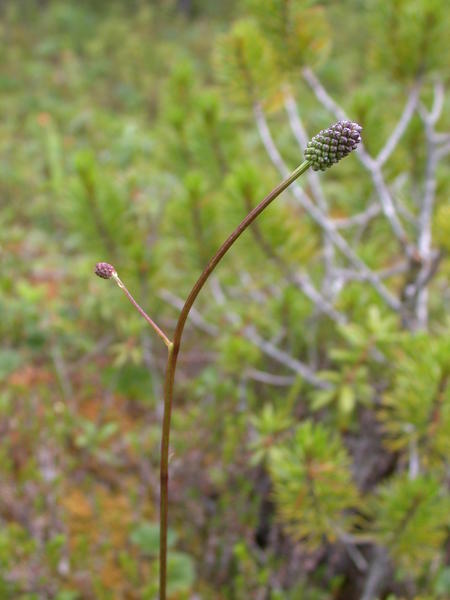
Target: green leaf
146, 537
10, 360
108, 430
67, 595
346, 400
354, 334
180, 573
322, 398
442, 584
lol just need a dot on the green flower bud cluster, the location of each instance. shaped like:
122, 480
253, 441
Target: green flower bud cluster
332, 144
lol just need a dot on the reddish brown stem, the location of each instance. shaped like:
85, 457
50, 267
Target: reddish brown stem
173, 350
150, 321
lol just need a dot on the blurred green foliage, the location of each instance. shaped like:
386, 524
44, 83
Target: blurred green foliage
127, 135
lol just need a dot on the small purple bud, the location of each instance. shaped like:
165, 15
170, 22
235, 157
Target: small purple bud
104, 270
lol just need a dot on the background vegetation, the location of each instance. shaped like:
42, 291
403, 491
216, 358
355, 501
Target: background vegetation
311, 429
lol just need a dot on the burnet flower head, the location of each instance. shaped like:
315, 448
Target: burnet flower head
104, 270
332, 144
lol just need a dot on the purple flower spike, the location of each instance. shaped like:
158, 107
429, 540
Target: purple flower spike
104, 270
332, 144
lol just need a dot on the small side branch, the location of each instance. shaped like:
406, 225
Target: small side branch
429, 119
285, 359
302, 138
304, 283
401, 126
397, 269
322, 95
361, 219
378, 574
140, 310
270, 378
105, 270
442, 151
195, 316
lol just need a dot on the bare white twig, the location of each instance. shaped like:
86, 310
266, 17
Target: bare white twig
373, 165
252, 288
442, 151
388, 208
285, 359
426, 273
217, 291
438, 103
401, 126
250, 334
362, 218
302, 138
378, 574
272, 150
322, 95
353, 551
301, 135
441, 137
304, 283
195, 316
270, 378
425, 216
397, 269
396, 187
414, 460
317, 215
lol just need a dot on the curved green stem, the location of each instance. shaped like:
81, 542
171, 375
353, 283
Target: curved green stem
172, 356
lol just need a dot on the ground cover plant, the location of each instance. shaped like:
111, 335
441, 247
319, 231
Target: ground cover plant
309, 452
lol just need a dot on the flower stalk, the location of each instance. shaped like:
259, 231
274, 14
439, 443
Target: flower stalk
328, 147
172, 358
107, 271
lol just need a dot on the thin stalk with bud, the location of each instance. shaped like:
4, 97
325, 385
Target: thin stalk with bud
325, 149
